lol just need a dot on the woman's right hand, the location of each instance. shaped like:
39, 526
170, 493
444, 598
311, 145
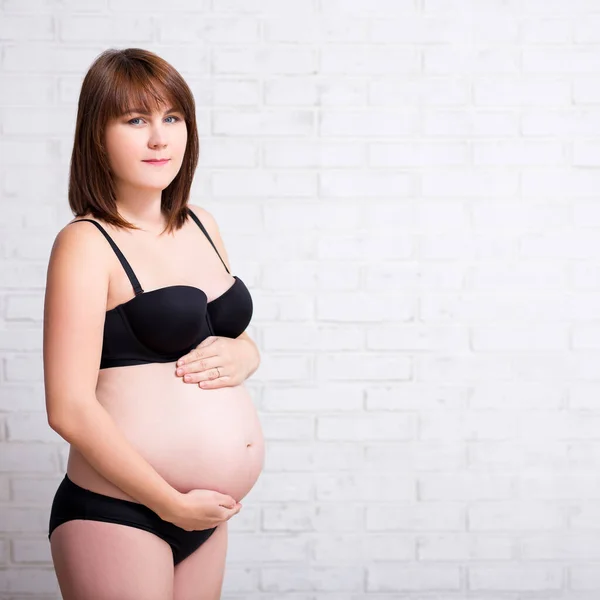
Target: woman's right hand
202, 509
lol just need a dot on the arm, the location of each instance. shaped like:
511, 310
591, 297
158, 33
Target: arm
252, 353
74, 312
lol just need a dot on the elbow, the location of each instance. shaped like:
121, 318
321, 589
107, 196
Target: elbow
55, 413
63, 421
67, 397
59, 425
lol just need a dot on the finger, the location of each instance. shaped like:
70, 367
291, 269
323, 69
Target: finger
199, 356
207, 341
225, 513
198, 351
225, 500
233, 509
213, 384
232, 514
201, 377
199, 365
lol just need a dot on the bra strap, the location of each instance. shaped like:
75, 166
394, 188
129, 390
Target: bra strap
199, 223
137, 288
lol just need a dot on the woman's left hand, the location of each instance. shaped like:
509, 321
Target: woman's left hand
218, 362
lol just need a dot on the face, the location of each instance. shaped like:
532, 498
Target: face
134, 139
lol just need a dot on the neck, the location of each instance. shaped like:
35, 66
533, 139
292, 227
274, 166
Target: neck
143, 209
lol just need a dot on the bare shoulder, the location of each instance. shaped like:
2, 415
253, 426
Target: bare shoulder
74, 312
80, 252
81, 236
213, 230
206, 218
79, 263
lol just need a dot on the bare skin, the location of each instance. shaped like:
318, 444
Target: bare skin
196, 438
200, 438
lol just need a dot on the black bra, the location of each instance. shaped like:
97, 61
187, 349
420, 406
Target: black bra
162, 325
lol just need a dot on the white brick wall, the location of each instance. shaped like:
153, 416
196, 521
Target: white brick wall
409, 189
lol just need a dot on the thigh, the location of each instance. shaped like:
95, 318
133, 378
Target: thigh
95, 560
200, 575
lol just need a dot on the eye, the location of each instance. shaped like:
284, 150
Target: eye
131, 121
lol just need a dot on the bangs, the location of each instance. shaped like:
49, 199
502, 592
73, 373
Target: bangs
144, 92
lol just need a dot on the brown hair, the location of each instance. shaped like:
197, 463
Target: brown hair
117, 81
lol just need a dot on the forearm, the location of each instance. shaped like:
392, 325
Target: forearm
252, 356
91, 430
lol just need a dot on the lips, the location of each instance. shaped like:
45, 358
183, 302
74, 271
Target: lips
157, 163
157, 160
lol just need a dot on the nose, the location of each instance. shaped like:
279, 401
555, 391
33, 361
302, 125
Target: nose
158, 137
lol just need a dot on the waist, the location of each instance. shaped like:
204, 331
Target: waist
154, 380
193, 437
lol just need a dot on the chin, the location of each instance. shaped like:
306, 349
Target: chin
155, 183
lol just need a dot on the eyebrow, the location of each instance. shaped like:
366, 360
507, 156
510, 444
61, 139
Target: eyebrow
141, 111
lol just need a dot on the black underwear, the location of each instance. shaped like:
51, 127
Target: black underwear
71, 502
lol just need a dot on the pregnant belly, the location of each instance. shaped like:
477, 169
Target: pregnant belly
194, 438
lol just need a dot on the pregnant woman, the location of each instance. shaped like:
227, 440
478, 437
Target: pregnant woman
140, 293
